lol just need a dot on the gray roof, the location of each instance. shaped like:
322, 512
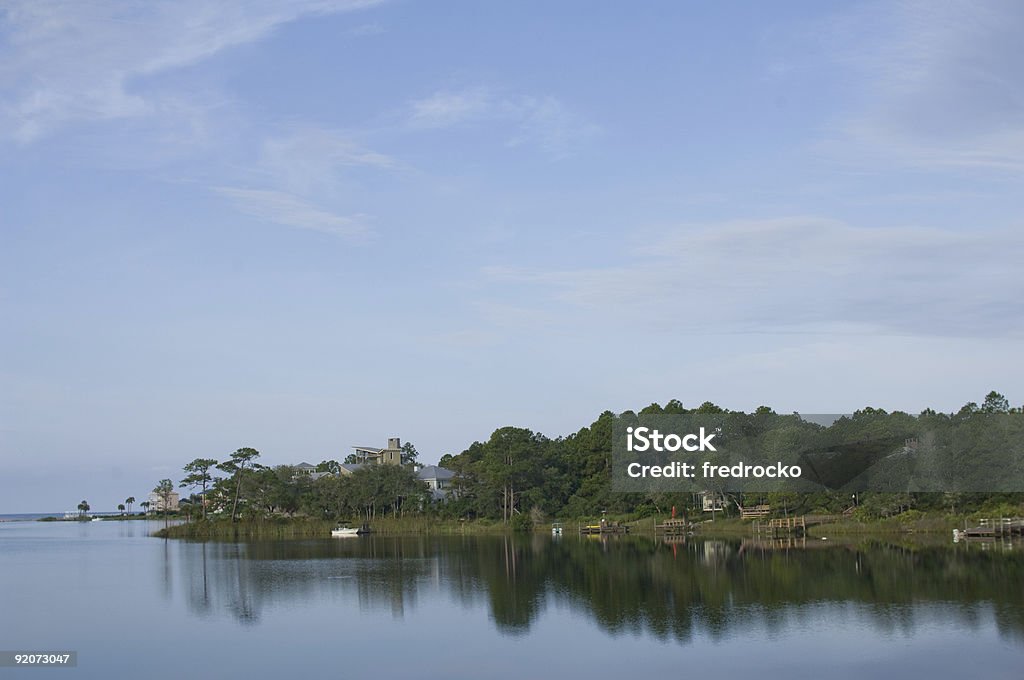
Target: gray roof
352, 467
435, 472
305, 465
371, 449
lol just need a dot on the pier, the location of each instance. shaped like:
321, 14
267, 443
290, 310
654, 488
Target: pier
672, 527
783, 526
994, 528
605, 527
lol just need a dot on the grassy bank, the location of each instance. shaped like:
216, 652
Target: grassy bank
918, 525
299, 527
302, 527
89, 518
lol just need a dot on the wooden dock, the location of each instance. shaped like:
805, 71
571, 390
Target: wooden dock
782, 526
672, 527
993, 528
755, 512
604, 527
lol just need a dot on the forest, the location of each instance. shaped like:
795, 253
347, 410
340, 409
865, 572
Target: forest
524, 478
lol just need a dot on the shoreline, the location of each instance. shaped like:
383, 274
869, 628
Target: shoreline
300, 527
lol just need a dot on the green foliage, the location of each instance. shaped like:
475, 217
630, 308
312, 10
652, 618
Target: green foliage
409, 453
518, 475
199, 476
522, 522
240, 461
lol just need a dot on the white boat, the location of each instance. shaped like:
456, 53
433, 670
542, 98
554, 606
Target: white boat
556, 529
340, 532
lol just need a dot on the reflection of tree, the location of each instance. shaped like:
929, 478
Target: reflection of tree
627, 584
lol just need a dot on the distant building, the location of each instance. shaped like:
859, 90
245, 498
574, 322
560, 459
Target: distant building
437, 479
711, 501
305, 468
392, 455
156, 502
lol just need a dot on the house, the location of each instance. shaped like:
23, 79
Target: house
305, 468
711, 501
392, 455
156, 502
438, 480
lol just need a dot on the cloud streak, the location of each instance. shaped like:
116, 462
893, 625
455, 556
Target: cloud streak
544, 122
66, 62
938, 88
289, 210
798, 274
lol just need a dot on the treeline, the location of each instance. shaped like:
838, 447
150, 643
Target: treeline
252, 491
523, 478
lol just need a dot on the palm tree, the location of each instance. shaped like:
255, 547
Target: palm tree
130, 501
120, 508
83, 508
145, 506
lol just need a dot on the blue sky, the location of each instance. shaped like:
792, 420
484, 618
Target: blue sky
302, 226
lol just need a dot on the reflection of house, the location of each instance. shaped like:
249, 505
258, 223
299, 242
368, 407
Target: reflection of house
437, 479
711, 501
392, 455
156, 502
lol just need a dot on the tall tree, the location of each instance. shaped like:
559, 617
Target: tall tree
240, 461
120, 508
163, 490
995, 403
130, 501
83, 508
331, 466
409, 453
199, 476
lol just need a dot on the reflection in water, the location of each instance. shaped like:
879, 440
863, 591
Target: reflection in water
673, 591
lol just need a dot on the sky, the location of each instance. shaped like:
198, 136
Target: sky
302, 226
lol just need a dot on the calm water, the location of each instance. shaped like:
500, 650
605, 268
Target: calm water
494, 607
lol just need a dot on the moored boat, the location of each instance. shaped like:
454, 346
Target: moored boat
342, 531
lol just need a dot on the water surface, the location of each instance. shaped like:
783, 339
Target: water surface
507, 607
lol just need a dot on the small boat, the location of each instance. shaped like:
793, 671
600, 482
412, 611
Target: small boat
338, 532
342, 531
556, 529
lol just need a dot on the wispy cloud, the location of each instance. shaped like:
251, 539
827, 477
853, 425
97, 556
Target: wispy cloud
308, 159
938, 87
445, 108
68, 61
798, 274
545, 122
289, 210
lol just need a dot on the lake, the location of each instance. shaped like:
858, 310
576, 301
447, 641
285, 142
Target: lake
507, 607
